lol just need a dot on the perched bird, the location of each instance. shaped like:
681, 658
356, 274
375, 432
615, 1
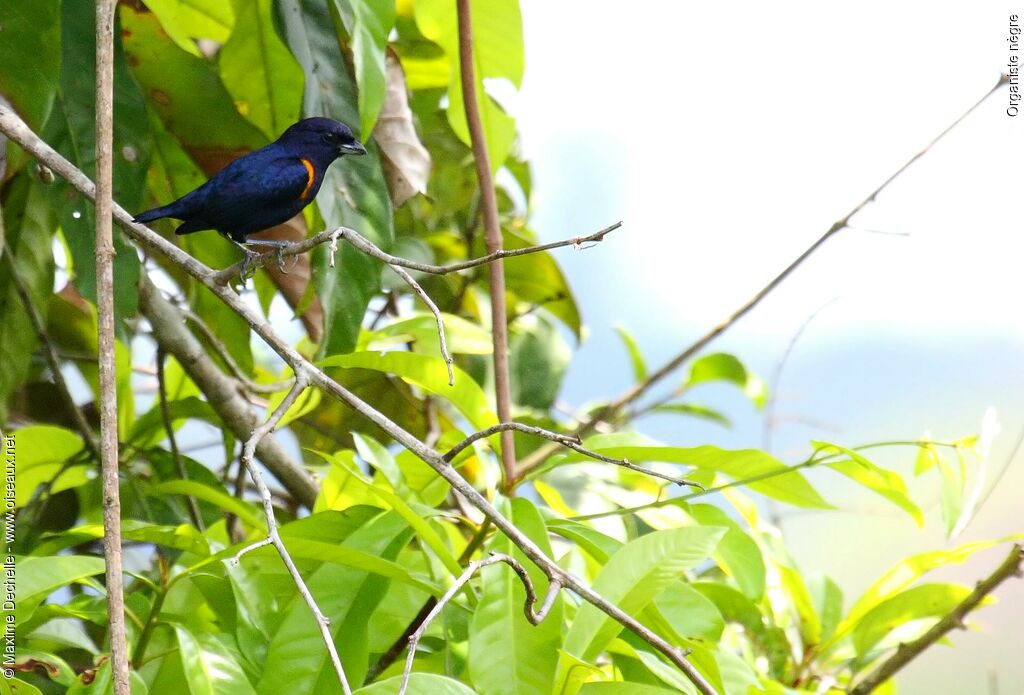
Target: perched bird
263, 188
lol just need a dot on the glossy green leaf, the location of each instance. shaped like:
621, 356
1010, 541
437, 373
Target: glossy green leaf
30, 61
623, 688
886, 483
508, 655
296, 660
464, 337
38, 577
538, 280
258, 70
242, 510
185, 21
210, 667
800, 599
693, 410
497, 54
737, 553
354, 193
906, 572
42, 451
308, 549
925, 601
636, 357
767, 475
419, 684
634, 577
428, 373
28, 223
368, 23
538, 360
147, 430
721, 366
688, 613
661, 671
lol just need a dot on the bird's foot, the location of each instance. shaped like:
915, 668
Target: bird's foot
280, 246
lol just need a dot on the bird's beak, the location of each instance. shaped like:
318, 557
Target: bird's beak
353, 148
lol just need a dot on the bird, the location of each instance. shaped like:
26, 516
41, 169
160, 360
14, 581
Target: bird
263, 188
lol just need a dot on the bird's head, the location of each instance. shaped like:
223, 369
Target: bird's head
326, 136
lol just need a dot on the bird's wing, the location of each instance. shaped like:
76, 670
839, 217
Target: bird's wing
257, 182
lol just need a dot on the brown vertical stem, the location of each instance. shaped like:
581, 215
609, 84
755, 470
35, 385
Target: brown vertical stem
492, 237
105, 307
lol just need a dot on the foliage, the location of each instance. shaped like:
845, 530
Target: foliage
202, 81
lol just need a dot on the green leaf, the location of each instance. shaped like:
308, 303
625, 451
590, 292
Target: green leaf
419, 684
721, 366
828, 602
30, 61
354, 193
635, 356
695, 411
537, 279
538, 358
241, 509
497, 54
368, 23
186, 93
28, 223
210, 667
42, 451
38, 577
770, 476
886, 483
506, 653
259, 71
428, 373
951, 495
308, 549
906, 572
147, 430
296, 661
800, 598
634, 577
132, 144
688, 613
415, 519
464, 337
623, 688
927, 457
188, 20
925, 601
737, 553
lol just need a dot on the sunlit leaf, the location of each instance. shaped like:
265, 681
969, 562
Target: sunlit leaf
886, 483
721, 366
737, 552
41, 452
210, 667
38, 577
925, 601
635, 356
419, 684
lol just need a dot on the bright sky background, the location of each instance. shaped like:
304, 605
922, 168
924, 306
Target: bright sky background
728, 137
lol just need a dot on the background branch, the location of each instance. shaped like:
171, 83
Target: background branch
105, 326
1011, 567
612, 409
492, 237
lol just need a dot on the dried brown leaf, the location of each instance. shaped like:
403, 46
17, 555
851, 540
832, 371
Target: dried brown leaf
406, 161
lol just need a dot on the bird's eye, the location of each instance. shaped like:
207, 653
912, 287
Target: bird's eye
330, 138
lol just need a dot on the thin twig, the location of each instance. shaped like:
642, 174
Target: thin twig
437, 317
1011, 567
49, 351
15, 128
229, 361
570, 441
612, 409
273, 535
105, 327
331, 237
533, 616
492, 240
179, 464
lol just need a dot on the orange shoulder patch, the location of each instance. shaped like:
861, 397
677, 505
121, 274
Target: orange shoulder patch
310, 176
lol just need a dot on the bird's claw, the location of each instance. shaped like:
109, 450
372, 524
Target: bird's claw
249, 265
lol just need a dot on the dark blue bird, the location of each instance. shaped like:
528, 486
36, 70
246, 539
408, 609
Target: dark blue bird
263, 188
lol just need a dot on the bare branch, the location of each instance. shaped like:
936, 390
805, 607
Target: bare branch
437, 317
221, 391
532, 615
612, 409
165, 413
492, 239
571, 441
15, 128
1011, 567
273, 535
105, 327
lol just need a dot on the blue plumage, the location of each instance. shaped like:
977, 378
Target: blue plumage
266, 187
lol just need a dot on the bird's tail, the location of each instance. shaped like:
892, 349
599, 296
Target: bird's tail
157, 213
